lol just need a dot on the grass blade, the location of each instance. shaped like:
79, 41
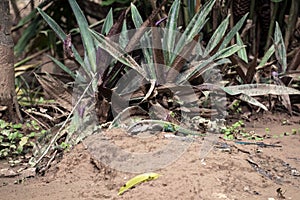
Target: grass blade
252, 101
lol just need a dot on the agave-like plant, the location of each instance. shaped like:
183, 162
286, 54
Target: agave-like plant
167, 61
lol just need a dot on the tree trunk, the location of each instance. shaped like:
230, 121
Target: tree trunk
7, 74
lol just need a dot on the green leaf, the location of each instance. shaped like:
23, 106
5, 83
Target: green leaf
108, 23
87, 39
114, 50
27, 19
3, 124
5, 132
63, 67
17, 126
242, 52
55, 27
225, 53
123, 40
280, 51
171, 30
136, 17
32, 134
60, 33
145, 42
233, 32
200, 67
204, 65
35, 125
193, 28
267, 56
217, 36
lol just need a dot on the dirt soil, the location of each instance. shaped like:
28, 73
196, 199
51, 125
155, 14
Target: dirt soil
229, 170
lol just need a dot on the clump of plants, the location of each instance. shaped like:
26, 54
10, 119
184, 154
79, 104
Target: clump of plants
117, 71
236, 131
18, 139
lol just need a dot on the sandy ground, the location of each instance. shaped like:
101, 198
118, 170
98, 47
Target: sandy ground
229, 170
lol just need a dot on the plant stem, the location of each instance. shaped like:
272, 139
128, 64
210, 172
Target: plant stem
271, 28
293, 15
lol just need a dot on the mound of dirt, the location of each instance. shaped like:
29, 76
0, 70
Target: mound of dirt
229, 170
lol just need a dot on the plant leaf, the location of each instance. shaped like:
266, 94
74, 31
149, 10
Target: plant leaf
224, 53
30, 32
242, 52
200, 68
204, 65
108, 23
252, 101
136, 17
123, 40
217, 36
232, 32
60, 33
87, 39
63, 67
117, 53
193, 28
280, 51
170, 31
267, 56
261, 89
145, 42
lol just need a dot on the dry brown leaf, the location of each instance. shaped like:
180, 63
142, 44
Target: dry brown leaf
56, 89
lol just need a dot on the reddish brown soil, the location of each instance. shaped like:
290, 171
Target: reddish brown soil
224, 174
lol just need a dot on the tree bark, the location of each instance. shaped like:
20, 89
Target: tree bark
7, 73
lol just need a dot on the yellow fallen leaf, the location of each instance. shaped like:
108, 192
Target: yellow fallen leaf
138, 179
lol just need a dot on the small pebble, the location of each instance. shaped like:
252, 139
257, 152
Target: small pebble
295, 172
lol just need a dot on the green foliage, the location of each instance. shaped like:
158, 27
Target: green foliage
280, 49
231, 132
236, 107
242, 53
216, 53
18, 139
236, 131
267, 130
65, 146
108, 23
